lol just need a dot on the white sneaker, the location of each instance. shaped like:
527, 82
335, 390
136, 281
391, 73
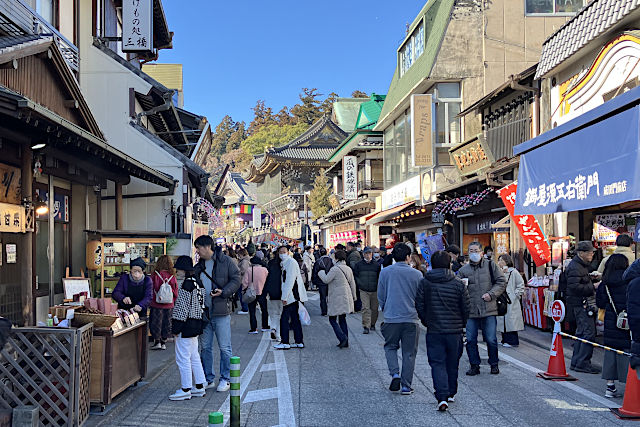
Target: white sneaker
253, 332
282, 346
242, 312
223, 386
180, 395
451, 399
156, 346
443, 406
198, 392
163, 346
506, 345
266, 330
212, 384
297, 345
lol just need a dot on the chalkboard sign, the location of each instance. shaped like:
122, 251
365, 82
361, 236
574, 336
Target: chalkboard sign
73, 286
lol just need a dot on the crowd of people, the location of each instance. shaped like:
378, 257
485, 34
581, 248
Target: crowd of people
452, 297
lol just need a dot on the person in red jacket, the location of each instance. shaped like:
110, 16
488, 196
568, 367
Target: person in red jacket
162, 302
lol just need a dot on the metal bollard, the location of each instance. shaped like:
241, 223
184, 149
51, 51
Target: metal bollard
216, 419
234, 393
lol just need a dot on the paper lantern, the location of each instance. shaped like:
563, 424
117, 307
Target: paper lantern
95, 257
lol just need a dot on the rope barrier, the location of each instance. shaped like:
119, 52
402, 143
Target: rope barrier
623, 353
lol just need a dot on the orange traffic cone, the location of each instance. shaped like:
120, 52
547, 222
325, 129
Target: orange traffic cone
631, 404
556, 370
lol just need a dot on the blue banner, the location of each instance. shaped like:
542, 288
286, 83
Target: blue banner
589, 168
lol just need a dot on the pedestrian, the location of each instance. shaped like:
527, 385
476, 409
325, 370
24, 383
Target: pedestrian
632, 275
244, 262
485, 284
488, 252
512, 322
366, 274
456, 264
380, 256
187, 326
397, 289
307, 265
342, 294
353, 256
273, 291
220, 277
417, 262
165, 292
255, 277
623, 247
324, 263
581, 306
611, 295
443, 306
134, 290
316, 252
407, 242
293, 293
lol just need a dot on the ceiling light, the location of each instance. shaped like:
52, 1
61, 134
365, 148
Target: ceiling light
38, 146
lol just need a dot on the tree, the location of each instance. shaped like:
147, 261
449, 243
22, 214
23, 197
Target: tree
359, 94
309, 110
221, 136
236, 138
271, 135
319, 195
262, 115
284, 117
327, 104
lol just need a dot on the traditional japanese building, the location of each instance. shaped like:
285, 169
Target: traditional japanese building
239, 213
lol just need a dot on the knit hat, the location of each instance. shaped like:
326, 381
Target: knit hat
184, 263
138, 262
251, 249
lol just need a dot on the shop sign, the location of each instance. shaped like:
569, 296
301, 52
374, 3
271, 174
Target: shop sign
350, 177
407, 191
428, 195
528, 227
346, 236
12, 253
481, 224
606, 228
501, 240
256, 214
12, 218
60, 206
10, 187
471, 156
137, 25
421, 131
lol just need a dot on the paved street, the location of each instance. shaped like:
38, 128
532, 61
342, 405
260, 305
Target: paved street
324, 386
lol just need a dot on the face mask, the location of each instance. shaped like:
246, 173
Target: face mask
283, 256
376, 256
475, 257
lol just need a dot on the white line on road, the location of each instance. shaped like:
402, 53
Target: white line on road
262, 394
268, 367
286, 415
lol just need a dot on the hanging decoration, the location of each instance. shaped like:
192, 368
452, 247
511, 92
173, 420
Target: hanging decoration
212, 213
461, 203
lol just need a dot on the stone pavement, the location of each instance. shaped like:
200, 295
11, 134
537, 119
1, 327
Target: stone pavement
322, 385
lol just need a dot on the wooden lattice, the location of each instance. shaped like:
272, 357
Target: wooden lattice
48, 368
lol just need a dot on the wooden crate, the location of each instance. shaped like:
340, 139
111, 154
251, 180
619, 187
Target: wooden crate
98, 320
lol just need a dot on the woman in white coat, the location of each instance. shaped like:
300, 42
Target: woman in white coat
512, 322
341, 289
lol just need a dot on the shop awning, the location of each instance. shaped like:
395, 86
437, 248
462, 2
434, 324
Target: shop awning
586, 163
388, 214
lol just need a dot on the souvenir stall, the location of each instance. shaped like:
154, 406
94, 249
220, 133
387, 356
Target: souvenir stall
344, 237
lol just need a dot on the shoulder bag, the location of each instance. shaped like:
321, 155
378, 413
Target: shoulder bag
621, 318
249, 295
503, 300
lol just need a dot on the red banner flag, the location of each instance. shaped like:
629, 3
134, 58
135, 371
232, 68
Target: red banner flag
528, 226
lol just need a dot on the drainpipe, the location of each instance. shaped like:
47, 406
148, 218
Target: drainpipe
168, 103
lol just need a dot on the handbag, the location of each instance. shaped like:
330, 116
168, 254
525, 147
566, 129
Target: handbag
621, 318
503, 300
249, 295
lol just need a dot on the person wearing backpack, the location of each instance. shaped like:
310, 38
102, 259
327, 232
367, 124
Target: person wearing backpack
165, 292
512, 321
485, 284
611, 294
187, 326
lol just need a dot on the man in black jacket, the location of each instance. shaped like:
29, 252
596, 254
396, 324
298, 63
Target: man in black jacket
366, 273
442, 303
323, 263
580, 302
632, 274
273, 289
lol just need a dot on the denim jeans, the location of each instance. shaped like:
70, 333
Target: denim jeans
243, 305
339, 325
488, 335
443, 351
405, 336
221, 327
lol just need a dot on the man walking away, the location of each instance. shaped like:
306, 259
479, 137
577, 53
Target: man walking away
580, 302
293, 293
366, 273
486, 284
221, 280
324, 263
273, 290
397, 289
443, 307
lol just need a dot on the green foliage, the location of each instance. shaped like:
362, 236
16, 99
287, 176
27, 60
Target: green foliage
359, 94
310, 108
319, 195
271, 135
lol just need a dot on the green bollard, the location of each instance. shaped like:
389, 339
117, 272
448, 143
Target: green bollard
234, 393
216, 419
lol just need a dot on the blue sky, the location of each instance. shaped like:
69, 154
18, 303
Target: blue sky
236, 52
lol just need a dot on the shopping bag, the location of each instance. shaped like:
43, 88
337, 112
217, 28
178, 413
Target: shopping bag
305, 319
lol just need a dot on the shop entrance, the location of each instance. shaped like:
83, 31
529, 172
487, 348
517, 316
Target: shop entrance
10, 289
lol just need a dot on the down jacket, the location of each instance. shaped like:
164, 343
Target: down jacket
442, 302
632, 275
341, 289
226, 276
366, 275
579, 285
480, 283
613, 336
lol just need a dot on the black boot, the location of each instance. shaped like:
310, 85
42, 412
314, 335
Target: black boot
473, 370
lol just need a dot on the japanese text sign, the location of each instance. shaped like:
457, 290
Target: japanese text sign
421, 131
528, 226
350, 177
137, 25
10, 187
12, 218
501, 240
582, 170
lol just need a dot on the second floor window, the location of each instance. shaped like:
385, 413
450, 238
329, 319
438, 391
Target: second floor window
45, 8
552, 7
412, 49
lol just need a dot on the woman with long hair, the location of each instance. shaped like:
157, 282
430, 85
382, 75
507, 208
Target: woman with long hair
512, 322
417, 262
164, 280
341, 289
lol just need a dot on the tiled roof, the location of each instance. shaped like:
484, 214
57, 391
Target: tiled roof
592, 21
246, 191
7, 42
370, 112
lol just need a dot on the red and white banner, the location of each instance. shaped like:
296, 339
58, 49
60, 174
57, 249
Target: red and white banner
528, 226
344, 237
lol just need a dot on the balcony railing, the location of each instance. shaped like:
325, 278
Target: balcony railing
371, 184
17, 18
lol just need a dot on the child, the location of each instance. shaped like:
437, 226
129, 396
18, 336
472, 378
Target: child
160, 318
187, 325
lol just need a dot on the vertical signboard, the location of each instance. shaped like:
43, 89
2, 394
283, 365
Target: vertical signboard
137, 25
421, 131
350, 177
257, 217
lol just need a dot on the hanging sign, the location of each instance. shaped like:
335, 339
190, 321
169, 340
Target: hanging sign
528, 226
421, 131
60, 205
137, 25
10, 187
12, 218
606, 228
350, 177
501, 239
471, 156
257, 217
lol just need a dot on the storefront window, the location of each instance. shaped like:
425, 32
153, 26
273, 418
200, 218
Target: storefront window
549, 7
389, 151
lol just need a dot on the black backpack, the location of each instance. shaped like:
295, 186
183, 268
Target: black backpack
503, 299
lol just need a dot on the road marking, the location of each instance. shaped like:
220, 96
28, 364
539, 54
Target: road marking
268, 367
263, 394
286, 416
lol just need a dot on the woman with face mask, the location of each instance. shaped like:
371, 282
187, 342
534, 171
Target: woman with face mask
512, 322
134, 289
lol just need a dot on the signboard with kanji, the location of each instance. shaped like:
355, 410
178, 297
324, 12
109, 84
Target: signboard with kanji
349, 177
137, 25
421, 131
12, 218
501, 240
10, 188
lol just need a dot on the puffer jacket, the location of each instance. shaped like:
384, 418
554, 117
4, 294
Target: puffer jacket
614, 336
480, 283
226, 276
632, 275
273, 285
323, 263
366, 275
579, 285
353, 257
442, 302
